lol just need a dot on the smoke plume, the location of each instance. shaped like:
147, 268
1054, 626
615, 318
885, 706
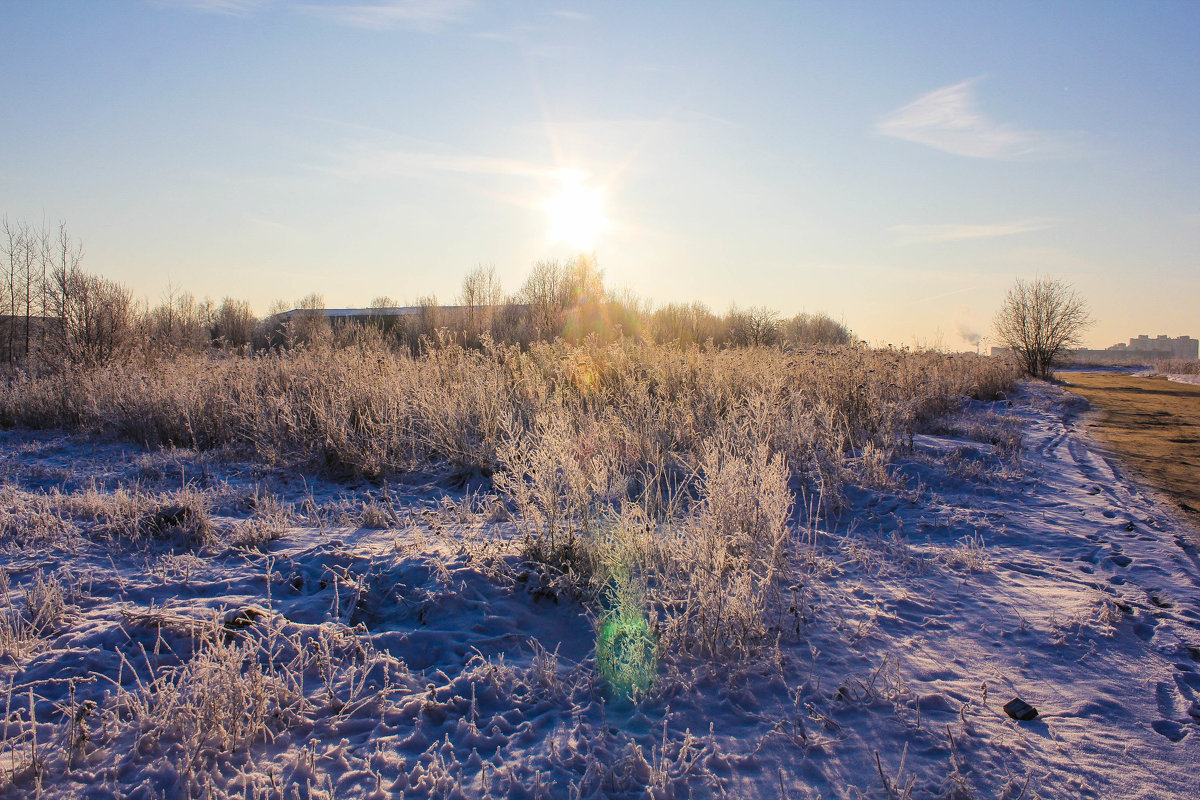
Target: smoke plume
969, 335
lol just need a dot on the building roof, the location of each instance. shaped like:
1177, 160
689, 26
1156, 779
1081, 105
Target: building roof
368, 313
341, 313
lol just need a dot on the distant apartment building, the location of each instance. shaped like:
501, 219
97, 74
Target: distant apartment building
1140, 350
1159, 348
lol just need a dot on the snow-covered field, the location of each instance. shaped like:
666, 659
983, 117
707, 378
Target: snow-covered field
387, 641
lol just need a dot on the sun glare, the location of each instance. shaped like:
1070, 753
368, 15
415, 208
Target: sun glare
576, 212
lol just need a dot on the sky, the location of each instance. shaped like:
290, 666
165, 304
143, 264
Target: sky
896, 165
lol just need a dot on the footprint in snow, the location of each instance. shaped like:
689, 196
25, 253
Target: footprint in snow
1167, 699
1157, 598
1172, 730
1145, 630
1120, 560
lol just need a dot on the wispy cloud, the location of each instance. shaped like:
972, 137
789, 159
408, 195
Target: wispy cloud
574, 16
215, 6
423, 15
950, 119
361, 161
921, 234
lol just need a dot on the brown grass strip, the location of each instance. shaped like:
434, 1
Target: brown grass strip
1154, 426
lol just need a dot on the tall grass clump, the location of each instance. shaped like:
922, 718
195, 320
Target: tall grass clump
25, 622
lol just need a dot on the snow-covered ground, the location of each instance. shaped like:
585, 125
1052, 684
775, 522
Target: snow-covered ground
419, 658
1178, 377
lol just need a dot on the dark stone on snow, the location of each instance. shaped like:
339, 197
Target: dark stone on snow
243, 618
1020, 710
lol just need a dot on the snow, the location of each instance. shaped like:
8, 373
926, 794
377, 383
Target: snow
426, 661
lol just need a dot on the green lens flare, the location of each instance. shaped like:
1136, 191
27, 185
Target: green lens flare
627, 652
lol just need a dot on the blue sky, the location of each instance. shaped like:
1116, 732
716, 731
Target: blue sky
893, 164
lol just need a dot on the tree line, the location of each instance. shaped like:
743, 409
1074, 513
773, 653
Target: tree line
53, 312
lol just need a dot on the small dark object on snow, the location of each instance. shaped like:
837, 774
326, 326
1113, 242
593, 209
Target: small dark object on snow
173, 516
1130, 527
1019, 709
243, 619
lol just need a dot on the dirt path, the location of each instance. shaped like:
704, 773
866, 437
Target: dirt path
1153, 424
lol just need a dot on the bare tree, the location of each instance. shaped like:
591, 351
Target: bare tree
480, 295
1040, 320
14, 248
32, 257
555, 290
179, 322
545, 293
23, 247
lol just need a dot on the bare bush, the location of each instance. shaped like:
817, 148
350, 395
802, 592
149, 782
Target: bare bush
753, 327
179, 322
1178, 366
684, 323
94, 318
308, 325
233, 324
816, 329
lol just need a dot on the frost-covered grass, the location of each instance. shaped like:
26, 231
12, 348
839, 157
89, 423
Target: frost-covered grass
642, 584
648, 409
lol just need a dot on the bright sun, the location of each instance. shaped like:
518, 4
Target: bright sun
576, 212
